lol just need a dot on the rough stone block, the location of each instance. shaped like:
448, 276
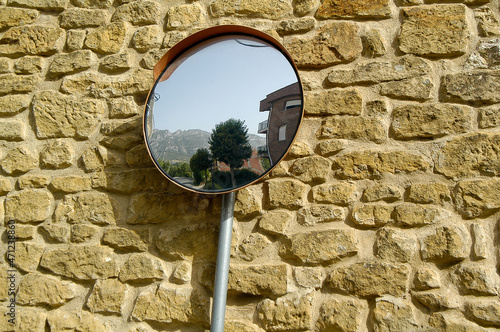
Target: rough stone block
107, 296
489, 117
90, 206
331, 146
429, 193
12, 83
382, 192
29, 65
57, 154
82, 232
315, 214
270, 9
71, 63
196, 243
487, 22
486, 312
36, 289
395, 245
51, 5
309, 277
76, 320
182, 273
75, 39
253, 246
70, 184
94, 3
303, 7
55, 233
141, 267
107, 39
478, 87
73, 18
11, 17
33, 181
185, 16
287, 193
29, 206
415, 88
340, 193
413, 215
481, 242
293, 311
353, 128
275, 222
311, 169
13, 104
33, 40
266, 280
372, 215
391, 314
358, 9
478, 280
125, 239
426, 278
334, 102
437, 300
138, 13
294, 26
18, 161
12, 130
146, 38
374, 44
446, 245
28, 256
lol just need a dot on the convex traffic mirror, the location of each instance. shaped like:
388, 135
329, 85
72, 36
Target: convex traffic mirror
224, 109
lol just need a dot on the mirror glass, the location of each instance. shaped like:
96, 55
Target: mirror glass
223, 113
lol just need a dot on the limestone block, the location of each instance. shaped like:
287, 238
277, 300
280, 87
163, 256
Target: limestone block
340, 193
107, 39
126, 239
487, 22
90, 206
275, 222
270, 9
182, 273
73, 18
374, 43
434, 30
29, 65
57, 154
32, 40
437, 300
77, 320
55, 5
481, 242
141, 267
28, 256
372, 215
381, 192
266, 280
13, 104
286, 193
82, 232
75, 39
72, 62
371, 278
333, 43
478, 280
331, 146
334, 102
12, 83
395, 245
33, 181
152, 57
12, 130
94, 159
25, 232
146, 38
415, 88
11, 17
341, 315
320, 213
309, 277
93, 3
319, 247
353, 9
123, 142
31, 320
366, 164
375, 72
194, 242
489, 117
36, 289
5, 65
29, 206
57, 115
293, 311
300, 25
476, 198
451, 320
185, 16
412, 215
107, 296
248, 202
393, 314
116, 63
300, 149
486, 312
82, 83
311, 169
135, 180
429, 193
81, 262
474, 87
70, 184
124, 107
55, 233
447, 245
237, 326
303, 7
5, 186
426, 278
138, 13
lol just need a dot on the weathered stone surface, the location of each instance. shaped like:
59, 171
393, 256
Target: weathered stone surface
258, 279
340, 193
28, 256
168, 304
353, 9
55, 233
123, 238
237, 326
29, 65
437, 300
248, 202
13, 104
12, 83
35, 40
319, 247
311, 169
80, 18
353, 128
382, 192
71, 184
287, 193
5, 186
415, 88
331, 146
334, 102
372, 215
18, 160
57, 115
474, 87
367, 164
138, 12
275, 222
478, 280
487, 22
315, 214
122, 108
182, 273
333, 43
185, 16
451, 320
5, 65
447, 245
94, 3
107, 296
94, 159
393, 314
470, 155
71, 62
30, 320
429, 193
300, 25
94, 207
81, 262
141, 267
107, 39
484, 312
65, 320
75, 39
57, 154
290, 312
371, 279
481, 242
489, 117
376, 72
340, 315
395, 245
430, 120
272, 9
116, 63
82, 232
11, 17
303, 7
12, 130
55, 5
434, 30
412, 215
36, 289
476, 198
29, 205
33, 181
374, 43
25, 232
132, 181
426, 278
197, 242
309, 277
146, 38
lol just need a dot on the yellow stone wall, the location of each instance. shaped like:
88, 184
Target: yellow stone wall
384, 216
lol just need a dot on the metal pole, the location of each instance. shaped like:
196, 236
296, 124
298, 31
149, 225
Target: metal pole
222, 267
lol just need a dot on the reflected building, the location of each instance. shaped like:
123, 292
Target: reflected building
284, 107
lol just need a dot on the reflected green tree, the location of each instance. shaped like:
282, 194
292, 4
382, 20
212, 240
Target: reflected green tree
229, 144
200, 162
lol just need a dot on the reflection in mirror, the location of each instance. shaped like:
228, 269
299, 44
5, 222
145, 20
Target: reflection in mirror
223, 113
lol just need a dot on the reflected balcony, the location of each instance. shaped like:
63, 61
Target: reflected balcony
263, 127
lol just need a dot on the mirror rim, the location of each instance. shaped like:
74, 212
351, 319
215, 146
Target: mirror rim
191, 42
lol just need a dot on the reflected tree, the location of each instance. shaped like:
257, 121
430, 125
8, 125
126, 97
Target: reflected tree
200, 162
229, 144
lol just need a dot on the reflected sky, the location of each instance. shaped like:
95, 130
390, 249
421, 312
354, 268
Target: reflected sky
221, 80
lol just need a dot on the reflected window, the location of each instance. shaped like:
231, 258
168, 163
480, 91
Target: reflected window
282, 133
292, 103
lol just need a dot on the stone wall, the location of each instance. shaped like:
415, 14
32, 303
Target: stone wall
384, 217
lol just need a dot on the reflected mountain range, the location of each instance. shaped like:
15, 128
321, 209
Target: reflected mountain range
181, 145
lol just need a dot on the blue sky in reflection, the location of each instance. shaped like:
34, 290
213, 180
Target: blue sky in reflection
221, 80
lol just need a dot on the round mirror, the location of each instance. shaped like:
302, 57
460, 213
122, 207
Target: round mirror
224, 110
